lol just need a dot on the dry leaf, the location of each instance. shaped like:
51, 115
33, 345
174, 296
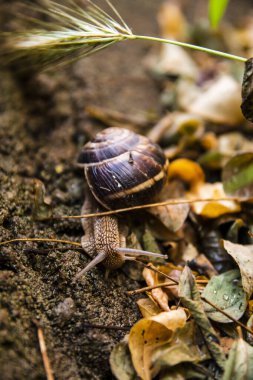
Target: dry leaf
188, 171
158, 294
243, 255
212, 209
148, 308
182, 348
172, 216
239, 365
150, 333
171, 21
219, 102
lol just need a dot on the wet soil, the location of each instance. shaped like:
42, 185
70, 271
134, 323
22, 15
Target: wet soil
42, 127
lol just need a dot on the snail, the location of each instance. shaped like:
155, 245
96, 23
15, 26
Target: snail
122, 169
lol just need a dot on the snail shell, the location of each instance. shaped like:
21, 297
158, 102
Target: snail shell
123, 169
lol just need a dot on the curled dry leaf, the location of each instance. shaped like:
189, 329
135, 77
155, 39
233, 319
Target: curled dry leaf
150, 333
188, 171
240, 362
191, 173
158, 294
212, 209
237, 175
225, 291
148, 308
182, 349
247, 91
243, 255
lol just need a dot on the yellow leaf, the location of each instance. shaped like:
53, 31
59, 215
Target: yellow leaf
188, 171
147, 307
150, 333
215, 208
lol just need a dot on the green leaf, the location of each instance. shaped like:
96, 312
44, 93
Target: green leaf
190, 298
120, 362
183, 371
216, 10
240, 362
226, 292
237, 175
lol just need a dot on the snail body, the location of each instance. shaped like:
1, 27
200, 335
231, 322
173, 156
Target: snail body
105, 240
122, 169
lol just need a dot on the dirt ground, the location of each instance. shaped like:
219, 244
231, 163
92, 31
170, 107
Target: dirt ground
42, 127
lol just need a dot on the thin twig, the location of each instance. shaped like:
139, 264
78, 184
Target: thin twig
147, 288
239, 332
110, 117
43, 350
227, 315
97, 326
140, 207
46, 240
154, 269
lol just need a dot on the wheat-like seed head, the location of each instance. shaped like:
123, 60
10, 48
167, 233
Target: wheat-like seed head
69, 34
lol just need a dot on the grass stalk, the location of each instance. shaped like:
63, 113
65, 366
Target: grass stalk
71, 33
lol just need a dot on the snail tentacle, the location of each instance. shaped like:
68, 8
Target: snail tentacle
138, 252
100, 257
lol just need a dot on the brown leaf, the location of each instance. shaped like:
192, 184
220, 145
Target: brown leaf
172, 216
158, 294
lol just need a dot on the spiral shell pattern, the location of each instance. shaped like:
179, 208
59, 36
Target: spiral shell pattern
123, 169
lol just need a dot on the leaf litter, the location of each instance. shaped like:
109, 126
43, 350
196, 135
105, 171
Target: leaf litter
188, 326
209, 145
